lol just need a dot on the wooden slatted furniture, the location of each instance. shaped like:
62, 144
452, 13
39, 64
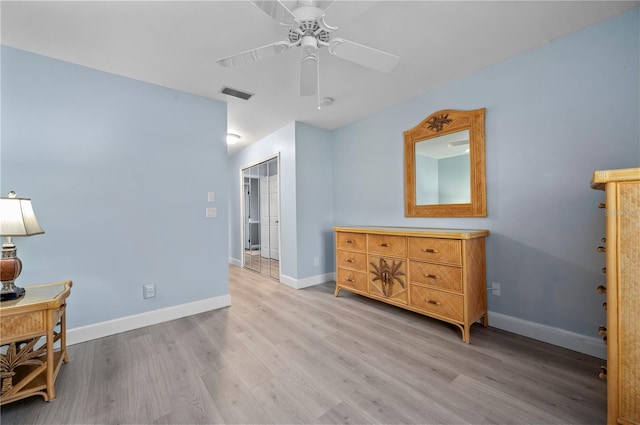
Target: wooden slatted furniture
622, 331
435, 272
33, 340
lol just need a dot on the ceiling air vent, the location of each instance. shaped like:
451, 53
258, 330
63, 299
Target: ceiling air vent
236, 93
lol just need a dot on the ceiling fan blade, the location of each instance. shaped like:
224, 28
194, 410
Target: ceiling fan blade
363, 55
324, 4
254, 55
276, 10
309, 75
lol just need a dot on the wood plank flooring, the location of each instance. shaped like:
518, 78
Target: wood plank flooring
285, 356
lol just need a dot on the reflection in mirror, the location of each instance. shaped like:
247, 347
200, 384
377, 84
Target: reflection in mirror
444, 166
442, 170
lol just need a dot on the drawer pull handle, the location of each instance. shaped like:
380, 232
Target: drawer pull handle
349, 260
602, 205
603, 373
386, 245
430, 250
432, 276
602, 289
349, 280
602, 331
604, 305
602, 249
350, 241
603, 240
433, 302
604, 270
604, 339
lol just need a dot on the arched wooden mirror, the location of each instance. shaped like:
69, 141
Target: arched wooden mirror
444, 166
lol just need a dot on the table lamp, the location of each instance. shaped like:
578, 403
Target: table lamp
16, 219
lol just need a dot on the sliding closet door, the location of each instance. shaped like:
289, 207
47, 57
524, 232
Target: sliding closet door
273, 182
251, 214
261, 216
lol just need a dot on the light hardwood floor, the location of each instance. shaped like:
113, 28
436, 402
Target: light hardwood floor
286, 356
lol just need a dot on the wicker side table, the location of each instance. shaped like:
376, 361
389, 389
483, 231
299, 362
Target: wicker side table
33, 341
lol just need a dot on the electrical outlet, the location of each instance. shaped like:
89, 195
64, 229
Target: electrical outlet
495, 289
316, 261
211, 212
148, 290
211, 196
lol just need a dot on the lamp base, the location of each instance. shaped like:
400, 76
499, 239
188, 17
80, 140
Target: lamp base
10, 268
16, 293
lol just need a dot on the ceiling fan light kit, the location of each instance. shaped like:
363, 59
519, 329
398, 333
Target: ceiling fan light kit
309, 31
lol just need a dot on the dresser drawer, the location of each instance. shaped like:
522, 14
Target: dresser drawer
388, 278
436, 275
388, 245
352, 260
437, 302
352, 279
447, 251
354, 241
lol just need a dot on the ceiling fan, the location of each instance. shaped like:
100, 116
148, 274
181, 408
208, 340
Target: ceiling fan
309, 31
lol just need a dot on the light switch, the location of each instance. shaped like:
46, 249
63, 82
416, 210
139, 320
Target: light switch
211, 212
211, 197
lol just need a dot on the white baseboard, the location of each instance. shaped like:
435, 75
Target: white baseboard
128, 323
308, 281
556, 336
235, 262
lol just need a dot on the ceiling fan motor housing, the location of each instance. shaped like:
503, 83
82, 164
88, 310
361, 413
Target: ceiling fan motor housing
308, 28
309, 44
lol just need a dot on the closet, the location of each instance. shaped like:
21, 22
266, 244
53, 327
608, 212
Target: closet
261, 218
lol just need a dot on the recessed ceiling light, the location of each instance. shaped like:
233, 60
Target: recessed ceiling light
232, 139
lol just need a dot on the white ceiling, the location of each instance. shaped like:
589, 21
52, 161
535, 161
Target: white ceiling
175, 44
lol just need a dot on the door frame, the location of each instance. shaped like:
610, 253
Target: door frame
275, 156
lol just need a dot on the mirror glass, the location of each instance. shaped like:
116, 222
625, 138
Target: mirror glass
261, 218
443, 170
444, 165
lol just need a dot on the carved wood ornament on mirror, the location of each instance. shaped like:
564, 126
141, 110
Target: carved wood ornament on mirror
444, 132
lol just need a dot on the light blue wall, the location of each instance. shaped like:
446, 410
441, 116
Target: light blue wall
314, 200
554, 115
281, 142
118, 171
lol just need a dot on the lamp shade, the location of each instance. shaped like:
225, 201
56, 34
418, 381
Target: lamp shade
17, 218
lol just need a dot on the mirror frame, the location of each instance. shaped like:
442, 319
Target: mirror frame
437, 124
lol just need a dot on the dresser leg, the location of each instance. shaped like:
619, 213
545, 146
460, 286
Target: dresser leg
466, 334
337, 291
485, 320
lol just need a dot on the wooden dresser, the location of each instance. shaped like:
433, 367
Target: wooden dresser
622, 330
435, 272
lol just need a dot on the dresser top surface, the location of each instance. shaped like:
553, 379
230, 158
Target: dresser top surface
602, 177
416, 231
